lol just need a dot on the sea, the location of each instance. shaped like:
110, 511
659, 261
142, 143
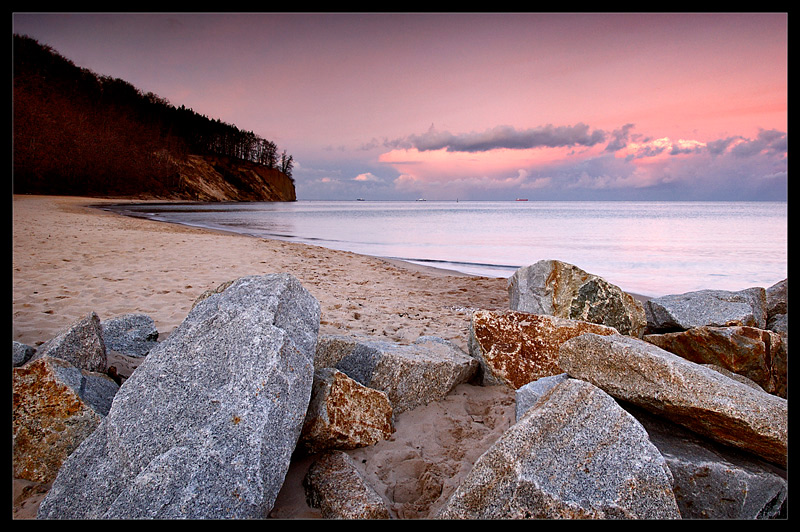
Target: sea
648, 248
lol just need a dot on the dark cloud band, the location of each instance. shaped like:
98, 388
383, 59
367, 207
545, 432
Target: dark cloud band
507, 137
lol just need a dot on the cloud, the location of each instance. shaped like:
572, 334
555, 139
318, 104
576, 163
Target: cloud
768, 142
657, 168
626, 166
619, 138
505, 137
368, 176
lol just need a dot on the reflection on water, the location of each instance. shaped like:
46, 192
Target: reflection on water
652, 248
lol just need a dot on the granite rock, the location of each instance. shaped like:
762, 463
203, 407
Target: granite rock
21, 353
344, 414
757, 354
575, 454
712, 481
515, 348
560, 289
334, 485
55, 406
206, 425
410, 375
777, 298
528, 395
130, 334
81, 344
689, 394
707, 308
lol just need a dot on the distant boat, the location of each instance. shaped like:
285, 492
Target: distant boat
421, 199
522, 199
360, 199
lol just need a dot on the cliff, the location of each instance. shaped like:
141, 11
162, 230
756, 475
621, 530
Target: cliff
79, 133
220, 178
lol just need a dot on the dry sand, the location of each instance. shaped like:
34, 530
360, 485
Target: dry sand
70, 259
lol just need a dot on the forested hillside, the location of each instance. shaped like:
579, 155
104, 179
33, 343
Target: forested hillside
79, 133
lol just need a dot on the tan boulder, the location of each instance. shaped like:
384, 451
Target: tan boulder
335, 486
754, 353
515, 348
55, 407
344, 414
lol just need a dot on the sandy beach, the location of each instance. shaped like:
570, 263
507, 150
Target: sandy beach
70, 259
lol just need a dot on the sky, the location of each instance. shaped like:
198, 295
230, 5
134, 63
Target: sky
471, 106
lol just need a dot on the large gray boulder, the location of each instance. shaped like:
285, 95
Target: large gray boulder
576, 454
710, 481
410, 375
713, 481
206, 425
560, 289
693, 395
707, 308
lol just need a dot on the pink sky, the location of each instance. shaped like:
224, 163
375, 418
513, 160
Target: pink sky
551, 106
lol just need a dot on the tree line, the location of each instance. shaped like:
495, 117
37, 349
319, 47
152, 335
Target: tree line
76, 132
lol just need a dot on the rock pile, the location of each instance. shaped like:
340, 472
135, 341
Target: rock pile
206, 425
672, 409
60, 394
727, 329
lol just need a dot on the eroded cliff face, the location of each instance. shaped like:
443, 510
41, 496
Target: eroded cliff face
217, 178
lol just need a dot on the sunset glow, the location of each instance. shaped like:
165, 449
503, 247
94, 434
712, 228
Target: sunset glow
472, 106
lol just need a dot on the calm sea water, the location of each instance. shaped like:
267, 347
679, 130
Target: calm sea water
649, 248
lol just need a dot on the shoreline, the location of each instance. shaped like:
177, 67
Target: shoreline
408, 264
70, 259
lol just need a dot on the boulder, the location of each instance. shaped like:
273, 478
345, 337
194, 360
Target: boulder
206, 425
55, 406
707, 308
712, 481
334, 485
81, 344
560, 289
130, 334
692, 395
515, 348
777, 298
410, 375
21, 353
778, 310
344, 414
576, 454
757, 354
